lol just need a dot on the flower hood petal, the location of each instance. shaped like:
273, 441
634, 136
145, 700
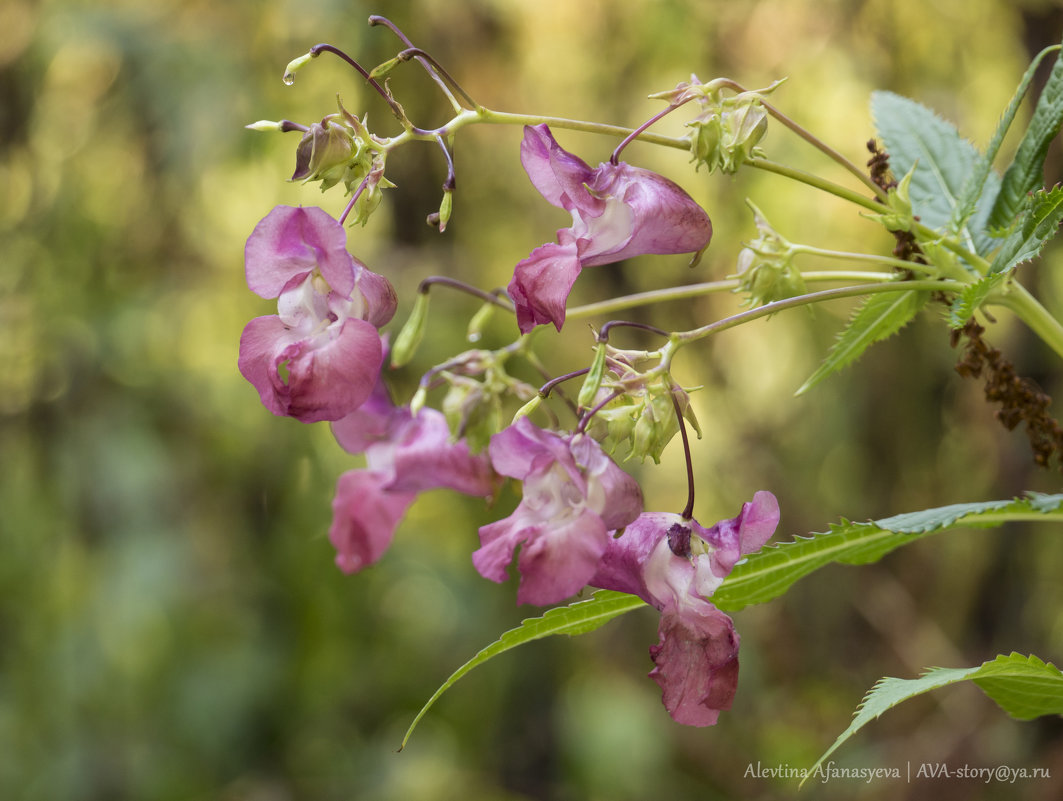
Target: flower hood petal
290, 242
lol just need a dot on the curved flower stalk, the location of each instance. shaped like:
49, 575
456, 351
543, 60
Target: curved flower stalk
675, 565
318, 358
574, 495
406, 454
618, 211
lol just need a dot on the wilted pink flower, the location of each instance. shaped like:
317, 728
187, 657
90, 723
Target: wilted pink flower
406, 454
618, 211
574, 495
675, 565
319, 356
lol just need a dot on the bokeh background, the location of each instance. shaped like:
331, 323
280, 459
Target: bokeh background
171, 623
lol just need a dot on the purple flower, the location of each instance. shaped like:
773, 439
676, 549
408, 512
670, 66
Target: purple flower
406, 454
675, 565
319, 356
574, 495
618, 211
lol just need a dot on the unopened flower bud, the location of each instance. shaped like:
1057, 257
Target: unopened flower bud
383, 70
472, 413
409, 338
766, 267
593, 382
446, 206
294, 66
265, 125
479, 321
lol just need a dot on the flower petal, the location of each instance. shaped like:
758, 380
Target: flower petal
541, 284
664, 218
328, 375
696, 664
559, 176
379, 295
292, 241
560, 559
424, 457
364, 518
330, 380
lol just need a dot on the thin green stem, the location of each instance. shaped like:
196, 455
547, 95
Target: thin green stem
1019, 300
815, 181
612, 305
686, 337
870, 258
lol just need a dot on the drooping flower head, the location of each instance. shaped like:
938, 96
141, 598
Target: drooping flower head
406, 454
618, 211
319, 356
675, 565
574, 495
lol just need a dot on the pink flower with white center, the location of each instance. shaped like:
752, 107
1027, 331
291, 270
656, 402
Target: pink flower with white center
675, 565
618, 211
574, 495
406, 454
318, 358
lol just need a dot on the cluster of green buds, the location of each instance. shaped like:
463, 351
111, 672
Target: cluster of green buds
726, 134
766, 269
340, 149
639, 409
478, 387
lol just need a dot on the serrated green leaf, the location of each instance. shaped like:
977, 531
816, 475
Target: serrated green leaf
1023, 686
971, 298
881, 316
1026, 171
771, 571
1038, 222
576, 618
943, 160
973, 188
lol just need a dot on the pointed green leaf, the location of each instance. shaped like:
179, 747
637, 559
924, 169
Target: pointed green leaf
1026, 172
972, 190
943, 160
576, 618
971, 298
881, 316
1038, 222
771, 571
1023, 686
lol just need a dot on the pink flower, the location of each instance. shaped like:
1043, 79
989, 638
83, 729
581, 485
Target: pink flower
319, 356
406, 454
618, 211
675, 565
574, 495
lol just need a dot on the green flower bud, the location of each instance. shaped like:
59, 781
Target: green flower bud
409, 338
294, 66
593, 382
766, 267
479, 321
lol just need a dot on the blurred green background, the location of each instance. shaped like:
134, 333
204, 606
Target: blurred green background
171, 623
